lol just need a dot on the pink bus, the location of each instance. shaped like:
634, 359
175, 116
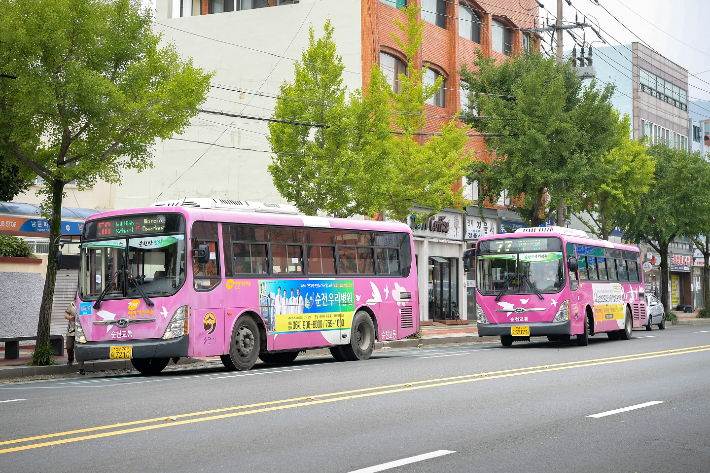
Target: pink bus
557, 282
240, 280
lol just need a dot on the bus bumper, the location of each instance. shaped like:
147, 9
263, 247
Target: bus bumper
151, 348
537, 329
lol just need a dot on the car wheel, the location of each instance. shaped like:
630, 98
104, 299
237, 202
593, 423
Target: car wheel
662, 325
649, 326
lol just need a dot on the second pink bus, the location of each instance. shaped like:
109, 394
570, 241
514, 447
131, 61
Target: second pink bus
557, 283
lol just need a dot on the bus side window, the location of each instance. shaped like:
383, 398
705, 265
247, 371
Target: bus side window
601, 267
206, 276
582, 263
611, 267
633, 271
592, 268
621, 270
573, 282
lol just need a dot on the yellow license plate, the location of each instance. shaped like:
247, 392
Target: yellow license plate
121, 353
520, 331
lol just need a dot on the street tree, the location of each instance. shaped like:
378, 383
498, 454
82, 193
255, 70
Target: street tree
94, 89
315, 166
678, 204
543, 127
367, 154
420, 169
613, 183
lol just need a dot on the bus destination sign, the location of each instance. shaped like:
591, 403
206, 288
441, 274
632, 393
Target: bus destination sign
130, 225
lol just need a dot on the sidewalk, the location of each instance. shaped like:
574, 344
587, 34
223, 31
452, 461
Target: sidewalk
436, 334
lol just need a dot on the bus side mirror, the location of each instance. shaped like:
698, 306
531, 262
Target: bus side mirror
466, 266
572, 264
202, 254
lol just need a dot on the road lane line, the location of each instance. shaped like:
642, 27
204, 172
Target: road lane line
14, 400
625, 409
404, 461
271, 406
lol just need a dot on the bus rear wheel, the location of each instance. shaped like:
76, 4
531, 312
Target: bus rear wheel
362, 338
625, 334
278, 358
149, 366
506, 340
244, 346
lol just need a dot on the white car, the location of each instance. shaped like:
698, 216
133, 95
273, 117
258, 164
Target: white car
654, 311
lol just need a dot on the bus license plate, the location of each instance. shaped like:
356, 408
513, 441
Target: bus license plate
520, 331
121, 353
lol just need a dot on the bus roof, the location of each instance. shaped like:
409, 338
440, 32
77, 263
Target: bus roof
567, 235
261, 218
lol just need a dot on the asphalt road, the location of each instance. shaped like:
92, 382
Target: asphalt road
479, 407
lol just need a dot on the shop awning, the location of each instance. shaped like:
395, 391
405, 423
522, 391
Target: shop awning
19, 219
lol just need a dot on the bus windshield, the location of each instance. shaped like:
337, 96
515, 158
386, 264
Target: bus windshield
131, 267
518, 266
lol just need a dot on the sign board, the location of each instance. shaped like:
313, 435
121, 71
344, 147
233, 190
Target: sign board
647, 266
446, 225
476, 228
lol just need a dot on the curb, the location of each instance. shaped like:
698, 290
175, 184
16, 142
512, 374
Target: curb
89, 367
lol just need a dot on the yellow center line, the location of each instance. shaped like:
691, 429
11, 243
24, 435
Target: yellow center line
270, 406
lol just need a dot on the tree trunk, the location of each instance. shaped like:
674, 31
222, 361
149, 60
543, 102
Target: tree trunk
605, 232
663, 246
45, 310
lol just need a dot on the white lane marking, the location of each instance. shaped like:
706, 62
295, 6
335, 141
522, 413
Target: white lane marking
703, 331
14, 400
404, 461
625, 409
650, 336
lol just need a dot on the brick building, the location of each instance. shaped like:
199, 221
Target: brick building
251, 45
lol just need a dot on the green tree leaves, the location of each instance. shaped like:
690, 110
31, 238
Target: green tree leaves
366, 154
94, 89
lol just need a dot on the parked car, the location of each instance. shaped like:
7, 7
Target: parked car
655, 313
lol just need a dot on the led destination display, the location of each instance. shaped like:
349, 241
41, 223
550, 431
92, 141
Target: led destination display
134, 225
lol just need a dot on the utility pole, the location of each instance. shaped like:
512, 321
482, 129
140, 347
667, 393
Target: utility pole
560, 221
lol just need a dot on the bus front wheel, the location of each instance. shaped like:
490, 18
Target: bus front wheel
625, 334
149, 366
362, 338
583, 338
244, 346
506, 340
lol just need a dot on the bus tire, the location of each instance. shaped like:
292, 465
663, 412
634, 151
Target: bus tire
244, 345
337, 353
625, 334
362, 338
613, 335
278, 358
583, 338
149, 366
506, 340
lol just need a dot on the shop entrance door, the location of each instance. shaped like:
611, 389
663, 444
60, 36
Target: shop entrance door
443, 288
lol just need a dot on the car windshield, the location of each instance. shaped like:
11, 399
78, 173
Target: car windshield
132, 267
520, 273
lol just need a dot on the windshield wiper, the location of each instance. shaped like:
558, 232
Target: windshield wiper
534, 288
506, 284
97, 304
142, 293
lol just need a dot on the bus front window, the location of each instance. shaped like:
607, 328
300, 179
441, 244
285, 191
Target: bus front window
156, 264
520, 273
102, 266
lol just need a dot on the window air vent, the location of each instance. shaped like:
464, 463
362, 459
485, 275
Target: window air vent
406, 317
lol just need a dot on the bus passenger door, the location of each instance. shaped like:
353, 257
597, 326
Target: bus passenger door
577, 313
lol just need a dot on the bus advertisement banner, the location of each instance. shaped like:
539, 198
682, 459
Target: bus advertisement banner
608, 302
301, 305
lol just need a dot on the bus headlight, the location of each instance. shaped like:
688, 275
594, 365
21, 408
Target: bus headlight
177, 327
79, 336
480, 315
562, 314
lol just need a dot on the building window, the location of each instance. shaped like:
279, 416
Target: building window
696, 133
466, 104
527, 42
501, 38
392, 67
287, 2
434, 12
662, 89
439, 98
469, 24
396, 3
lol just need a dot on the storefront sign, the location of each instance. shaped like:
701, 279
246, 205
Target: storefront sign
32, 226
476, 228
682, 260
647, 266
447, 225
